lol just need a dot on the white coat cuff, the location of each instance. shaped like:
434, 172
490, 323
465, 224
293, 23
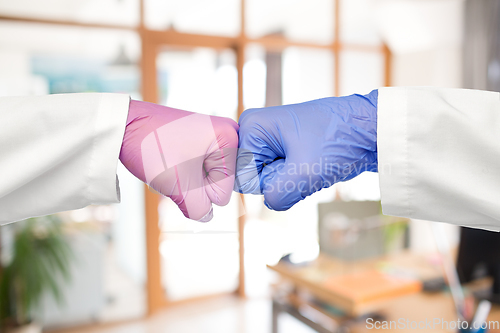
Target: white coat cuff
392, 147
108, 136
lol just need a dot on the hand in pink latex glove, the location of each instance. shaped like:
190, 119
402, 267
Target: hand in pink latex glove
186, 156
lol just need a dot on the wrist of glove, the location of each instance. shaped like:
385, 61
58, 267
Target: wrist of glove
289, 152
186, 156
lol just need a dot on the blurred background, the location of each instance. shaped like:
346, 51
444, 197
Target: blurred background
140, 266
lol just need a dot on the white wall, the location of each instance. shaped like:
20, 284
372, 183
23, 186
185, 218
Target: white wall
15, 75
129, 229
438, 67
425, 37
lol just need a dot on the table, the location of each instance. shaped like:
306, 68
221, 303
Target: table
301, 288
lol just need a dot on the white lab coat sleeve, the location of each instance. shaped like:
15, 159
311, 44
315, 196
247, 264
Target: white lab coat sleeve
59, 152
439, 155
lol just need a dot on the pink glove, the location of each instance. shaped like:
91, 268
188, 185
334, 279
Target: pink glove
186, 156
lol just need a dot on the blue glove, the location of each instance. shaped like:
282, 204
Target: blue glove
289, 152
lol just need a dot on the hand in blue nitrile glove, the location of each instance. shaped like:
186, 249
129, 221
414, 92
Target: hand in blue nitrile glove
289, 152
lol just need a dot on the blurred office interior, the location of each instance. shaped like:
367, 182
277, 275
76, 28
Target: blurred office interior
140, 266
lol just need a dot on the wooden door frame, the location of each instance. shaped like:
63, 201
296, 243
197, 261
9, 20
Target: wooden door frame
152, 44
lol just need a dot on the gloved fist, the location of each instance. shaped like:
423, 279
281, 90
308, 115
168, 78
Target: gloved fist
186, 156
289, 152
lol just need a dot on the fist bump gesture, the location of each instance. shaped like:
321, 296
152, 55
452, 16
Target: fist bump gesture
285, 152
